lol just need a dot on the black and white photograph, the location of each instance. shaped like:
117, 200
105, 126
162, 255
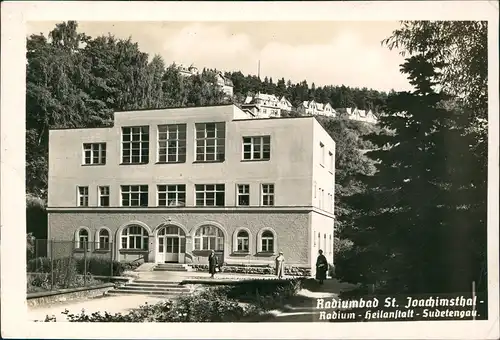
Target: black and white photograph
328, 165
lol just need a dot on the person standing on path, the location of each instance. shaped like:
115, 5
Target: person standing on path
321, 267
280, 265
213, 262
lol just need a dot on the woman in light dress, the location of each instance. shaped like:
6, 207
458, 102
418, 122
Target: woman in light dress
280, 265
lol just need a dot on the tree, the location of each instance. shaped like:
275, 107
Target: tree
461, 47
416, 213
73, 80
54, 99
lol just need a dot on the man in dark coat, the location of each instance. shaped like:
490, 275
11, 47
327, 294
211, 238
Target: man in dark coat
213, 263
321, 267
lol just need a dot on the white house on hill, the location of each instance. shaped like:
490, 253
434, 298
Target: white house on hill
264, 105
225, 84
187, 71
361, 115
312, 108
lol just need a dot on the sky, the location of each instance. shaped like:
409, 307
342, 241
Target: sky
325, 53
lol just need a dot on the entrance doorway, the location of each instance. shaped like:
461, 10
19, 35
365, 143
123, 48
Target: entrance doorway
171, 245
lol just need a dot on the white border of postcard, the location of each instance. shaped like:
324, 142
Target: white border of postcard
13, 284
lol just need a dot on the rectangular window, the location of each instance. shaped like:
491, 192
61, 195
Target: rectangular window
83, 196
134, 195
103, 196
322, 146
210, 195
267, 244
210, 142
172, 195
332, 165
94, 153
243, 244
267, 194
243, 194
257, 148
172, 143
135, 145
320, 198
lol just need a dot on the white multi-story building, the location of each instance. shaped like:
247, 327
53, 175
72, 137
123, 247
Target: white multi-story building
361, 115
170, 185
187, 71
225, 84
313, 108
265, 105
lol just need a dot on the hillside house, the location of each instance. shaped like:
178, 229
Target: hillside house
313, 108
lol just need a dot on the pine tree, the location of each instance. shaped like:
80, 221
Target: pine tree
417, 215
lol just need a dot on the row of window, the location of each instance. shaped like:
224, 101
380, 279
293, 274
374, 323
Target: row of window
207, 237
323, 162
172, 145
327, 248
206, 195
324, 203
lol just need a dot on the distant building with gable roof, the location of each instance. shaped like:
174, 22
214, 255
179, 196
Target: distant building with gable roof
366, 116
225, 84
187, 71
263, 105
313, 108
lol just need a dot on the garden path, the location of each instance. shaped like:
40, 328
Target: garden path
111, 304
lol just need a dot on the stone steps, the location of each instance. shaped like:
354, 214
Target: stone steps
172, 267
144, 292
165, 289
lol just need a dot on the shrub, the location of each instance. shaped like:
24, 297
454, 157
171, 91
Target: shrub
40, 282
204, 306
39, 265
213, 304
252, 288
255, 269
207, 306
95, 265
101, 266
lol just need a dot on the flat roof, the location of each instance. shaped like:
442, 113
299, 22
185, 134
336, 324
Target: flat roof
176, 107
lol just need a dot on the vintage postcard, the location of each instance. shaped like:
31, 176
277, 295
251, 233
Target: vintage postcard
257, 170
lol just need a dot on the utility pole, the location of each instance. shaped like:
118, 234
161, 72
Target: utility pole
258, 72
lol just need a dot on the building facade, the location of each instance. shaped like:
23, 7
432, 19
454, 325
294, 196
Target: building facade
362, 115
313, 108
187, 71
169, 185
264, 105
224, 84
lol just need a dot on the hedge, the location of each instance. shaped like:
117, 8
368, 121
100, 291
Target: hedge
259, 270
95, 265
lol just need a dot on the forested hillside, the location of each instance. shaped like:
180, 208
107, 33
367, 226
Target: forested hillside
337, 96
74, 80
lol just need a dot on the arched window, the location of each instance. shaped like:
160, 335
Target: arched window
267, 242
82, 239
209, 237
103, 239
242, 240
134, 237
